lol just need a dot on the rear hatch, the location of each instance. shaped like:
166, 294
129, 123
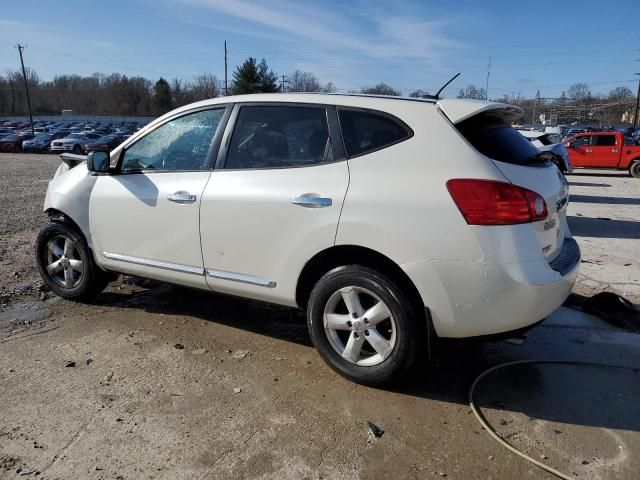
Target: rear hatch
487, 126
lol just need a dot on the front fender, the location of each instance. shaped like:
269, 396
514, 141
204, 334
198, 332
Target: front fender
69, 192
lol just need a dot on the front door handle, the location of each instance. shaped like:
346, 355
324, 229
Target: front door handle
589, 150
614, 150
182, 197
309, 201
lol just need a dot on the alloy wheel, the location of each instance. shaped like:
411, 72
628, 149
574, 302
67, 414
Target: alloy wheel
359, 326
64, 264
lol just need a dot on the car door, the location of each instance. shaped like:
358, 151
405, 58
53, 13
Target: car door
145, 216
605, 152
274, 199
579, 149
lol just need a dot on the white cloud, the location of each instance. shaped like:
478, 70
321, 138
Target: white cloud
386, 37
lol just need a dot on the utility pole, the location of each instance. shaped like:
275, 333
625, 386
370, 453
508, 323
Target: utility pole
486, 85
635, 113
282, 83
26, 86
226, 92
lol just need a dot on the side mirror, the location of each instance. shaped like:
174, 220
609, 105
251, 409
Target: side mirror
568, 145
98, 161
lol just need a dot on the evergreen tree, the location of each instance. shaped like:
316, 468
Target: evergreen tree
268, 79
245, 78
162, 96
251, 77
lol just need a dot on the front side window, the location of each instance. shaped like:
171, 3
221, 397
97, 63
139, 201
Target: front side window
365, 131
279, 136
580, 141
604, 140
178, 145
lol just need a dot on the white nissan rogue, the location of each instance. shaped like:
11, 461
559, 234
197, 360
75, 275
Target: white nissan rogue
392, 221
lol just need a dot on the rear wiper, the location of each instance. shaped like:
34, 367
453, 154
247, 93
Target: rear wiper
540, 157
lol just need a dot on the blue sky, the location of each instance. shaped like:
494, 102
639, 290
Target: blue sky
407, 44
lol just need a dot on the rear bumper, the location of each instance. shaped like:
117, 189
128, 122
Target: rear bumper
469, 299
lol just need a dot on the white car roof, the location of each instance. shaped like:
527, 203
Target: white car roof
455, 109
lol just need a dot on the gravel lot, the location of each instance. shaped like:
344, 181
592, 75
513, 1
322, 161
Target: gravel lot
164, 382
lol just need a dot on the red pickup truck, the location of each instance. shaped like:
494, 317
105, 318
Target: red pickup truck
604, 150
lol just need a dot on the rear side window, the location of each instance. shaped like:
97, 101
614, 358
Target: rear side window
365, 131
604, 140
496, 139
279, 136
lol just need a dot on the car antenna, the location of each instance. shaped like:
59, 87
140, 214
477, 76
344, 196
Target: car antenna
437, 95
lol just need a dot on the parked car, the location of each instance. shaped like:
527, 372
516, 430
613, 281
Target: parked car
39, 143
105, 143
391, 221
604, 150
74, 142
13, 142
549, 142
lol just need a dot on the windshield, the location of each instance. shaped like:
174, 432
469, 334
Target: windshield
75, 135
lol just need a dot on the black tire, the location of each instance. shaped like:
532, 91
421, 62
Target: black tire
634, 168
77, 149
409, 332
82, 285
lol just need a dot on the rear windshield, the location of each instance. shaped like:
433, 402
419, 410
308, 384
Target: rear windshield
496, 139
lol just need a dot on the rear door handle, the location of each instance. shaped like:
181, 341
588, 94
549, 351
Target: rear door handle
182, 197
589, 150
311, 201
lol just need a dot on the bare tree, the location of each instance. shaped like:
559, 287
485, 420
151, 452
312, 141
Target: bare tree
300, 81
472, 92
578, 91
620, 94
329, 88
419, 94
205, 86
380, 89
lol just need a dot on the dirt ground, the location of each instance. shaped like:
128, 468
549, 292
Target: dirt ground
164, 382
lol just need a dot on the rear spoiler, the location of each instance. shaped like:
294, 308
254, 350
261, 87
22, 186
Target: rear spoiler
458, 110
73, 160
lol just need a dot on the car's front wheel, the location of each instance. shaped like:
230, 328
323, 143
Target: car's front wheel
66, 264
363, 325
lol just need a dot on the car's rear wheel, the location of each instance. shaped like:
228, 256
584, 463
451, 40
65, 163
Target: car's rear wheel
634, 168
66, 264
363, 325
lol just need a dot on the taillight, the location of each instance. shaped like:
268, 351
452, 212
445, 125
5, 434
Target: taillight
489, 202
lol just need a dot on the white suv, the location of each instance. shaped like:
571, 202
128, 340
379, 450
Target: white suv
392, 221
